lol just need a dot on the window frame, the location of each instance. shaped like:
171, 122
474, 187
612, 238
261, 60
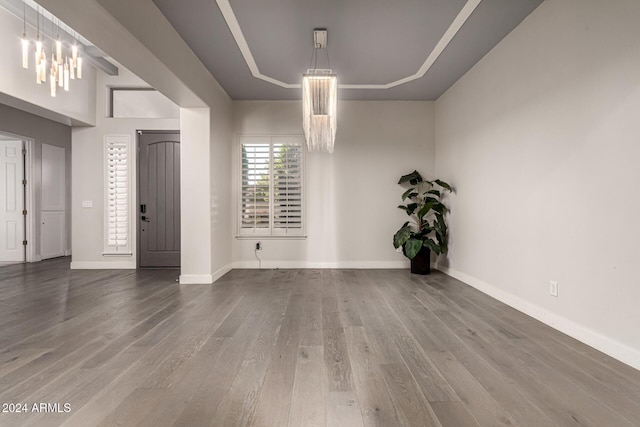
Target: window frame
111, 108
124, 250
271, 232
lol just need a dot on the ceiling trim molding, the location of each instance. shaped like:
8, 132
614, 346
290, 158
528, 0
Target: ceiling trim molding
236, 31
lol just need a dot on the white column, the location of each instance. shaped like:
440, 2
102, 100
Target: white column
195, 196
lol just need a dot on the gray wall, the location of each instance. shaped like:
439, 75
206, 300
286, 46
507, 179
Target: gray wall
40, 130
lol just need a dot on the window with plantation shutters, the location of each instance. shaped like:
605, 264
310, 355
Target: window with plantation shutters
117, 195
287, 186
271, 187
256, 172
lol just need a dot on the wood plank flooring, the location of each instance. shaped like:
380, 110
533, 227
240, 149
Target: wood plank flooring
353, 348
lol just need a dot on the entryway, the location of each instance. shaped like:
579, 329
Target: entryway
53, 217
12, 200
158, 204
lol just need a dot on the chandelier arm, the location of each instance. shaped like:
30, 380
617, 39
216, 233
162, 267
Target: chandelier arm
326, 51
313, 52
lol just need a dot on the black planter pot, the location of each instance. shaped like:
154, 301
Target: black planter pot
421, 263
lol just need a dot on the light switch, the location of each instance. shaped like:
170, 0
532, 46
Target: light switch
87, 203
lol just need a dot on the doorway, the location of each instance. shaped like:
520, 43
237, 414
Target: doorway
53, 229
12, 200
158, 207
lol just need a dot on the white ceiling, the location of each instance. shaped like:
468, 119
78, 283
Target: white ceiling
400, 50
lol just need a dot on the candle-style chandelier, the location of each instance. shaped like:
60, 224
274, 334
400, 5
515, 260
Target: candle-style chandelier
65, 63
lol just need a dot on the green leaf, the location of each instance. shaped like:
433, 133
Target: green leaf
440, 226
443, 185
431, 199
410, 193
433, 246
436, 192
443, 246
425, 209
410, 208
439, 207
413, 178
401, 236
412, 247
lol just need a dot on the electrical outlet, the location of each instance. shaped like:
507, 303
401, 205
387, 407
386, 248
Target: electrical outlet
259, 246
553, 288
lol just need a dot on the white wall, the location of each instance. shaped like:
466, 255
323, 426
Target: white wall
352, 194
194, 162
25, 100
39, 130
541, 140
78, 105
138, 36
220, 190
88, 175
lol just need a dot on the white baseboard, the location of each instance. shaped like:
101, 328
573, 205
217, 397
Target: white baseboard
220, 272
613, 348
373, 265
204, 279
112, 265
196, 279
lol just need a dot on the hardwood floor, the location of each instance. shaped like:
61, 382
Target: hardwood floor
290, 348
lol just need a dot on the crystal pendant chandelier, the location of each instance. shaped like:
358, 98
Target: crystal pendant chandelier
319, 101
63, 68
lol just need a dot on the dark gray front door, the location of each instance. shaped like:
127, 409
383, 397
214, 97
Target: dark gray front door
159, 199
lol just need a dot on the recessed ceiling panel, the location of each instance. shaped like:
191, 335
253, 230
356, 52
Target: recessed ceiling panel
370, 42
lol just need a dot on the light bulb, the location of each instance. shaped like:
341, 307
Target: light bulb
54, 66
53, 81
25, 51
66, 75
59, 51
43, 67
74, 54
38, 50
60, 74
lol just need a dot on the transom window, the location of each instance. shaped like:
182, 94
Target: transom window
271, 186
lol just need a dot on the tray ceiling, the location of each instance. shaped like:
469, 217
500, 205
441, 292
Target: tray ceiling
381, 50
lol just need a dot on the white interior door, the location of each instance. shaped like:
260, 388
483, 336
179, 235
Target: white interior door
53, 216
11, 202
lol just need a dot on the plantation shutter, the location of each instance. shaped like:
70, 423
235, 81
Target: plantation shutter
117, 194
256, 172
271, 199
287, 187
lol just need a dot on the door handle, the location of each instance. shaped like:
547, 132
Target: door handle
144, 218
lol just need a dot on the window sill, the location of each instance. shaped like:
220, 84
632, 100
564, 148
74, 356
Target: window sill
270, 237
116, 254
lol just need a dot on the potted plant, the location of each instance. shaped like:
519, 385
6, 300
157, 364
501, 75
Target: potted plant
426, 229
